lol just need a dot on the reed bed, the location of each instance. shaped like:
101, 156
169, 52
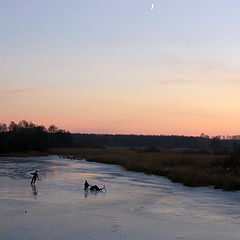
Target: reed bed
194, 170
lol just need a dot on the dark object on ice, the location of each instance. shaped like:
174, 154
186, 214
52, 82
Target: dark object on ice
35, 176
86, 185
96, 188
25, 211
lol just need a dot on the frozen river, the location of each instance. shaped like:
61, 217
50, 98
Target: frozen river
135, 206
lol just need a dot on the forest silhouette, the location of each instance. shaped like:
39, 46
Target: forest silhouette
26, 136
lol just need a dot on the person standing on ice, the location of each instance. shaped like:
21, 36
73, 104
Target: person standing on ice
86, 185
35, 176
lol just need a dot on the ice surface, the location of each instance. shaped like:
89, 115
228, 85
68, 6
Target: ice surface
135, 206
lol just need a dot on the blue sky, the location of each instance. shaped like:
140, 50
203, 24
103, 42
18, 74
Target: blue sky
183, 51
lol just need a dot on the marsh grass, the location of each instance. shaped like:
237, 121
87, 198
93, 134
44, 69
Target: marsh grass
190, 169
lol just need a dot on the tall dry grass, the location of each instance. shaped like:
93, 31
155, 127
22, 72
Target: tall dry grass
190, 169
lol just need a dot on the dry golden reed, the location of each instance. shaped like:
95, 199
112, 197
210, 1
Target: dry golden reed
206, 170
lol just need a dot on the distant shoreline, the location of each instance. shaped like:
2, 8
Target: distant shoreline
25, 154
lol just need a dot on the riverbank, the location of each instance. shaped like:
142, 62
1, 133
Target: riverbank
134, 205
193, 170
25, 154
190, 169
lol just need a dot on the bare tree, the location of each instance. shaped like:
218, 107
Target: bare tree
12, 126
3, 127
23, 124
52, 129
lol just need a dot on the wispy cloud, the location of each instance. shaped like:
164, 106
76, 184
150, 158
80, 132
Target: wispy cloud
25, 90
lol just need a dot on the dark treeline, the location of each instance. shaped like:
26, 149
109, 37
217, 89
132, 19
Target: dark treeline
26, 136
201, 144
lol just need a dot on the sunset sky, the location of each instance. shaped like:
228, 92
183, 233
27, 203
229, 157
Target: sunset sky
107, 66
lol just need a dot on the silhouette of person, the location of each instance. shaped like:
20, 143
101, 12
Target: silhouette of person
35, 176
86, 185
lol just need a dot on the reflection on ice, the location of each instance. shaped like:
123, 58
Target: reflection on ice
135, 206
85, 193
93, 193
34, 190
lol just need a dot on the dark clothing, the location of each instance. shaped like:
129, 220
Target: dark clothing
95, 188
86, 185
34, 178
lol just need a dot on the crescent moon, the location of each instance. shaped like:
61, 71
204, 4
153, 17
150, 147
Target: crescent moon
152, 7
